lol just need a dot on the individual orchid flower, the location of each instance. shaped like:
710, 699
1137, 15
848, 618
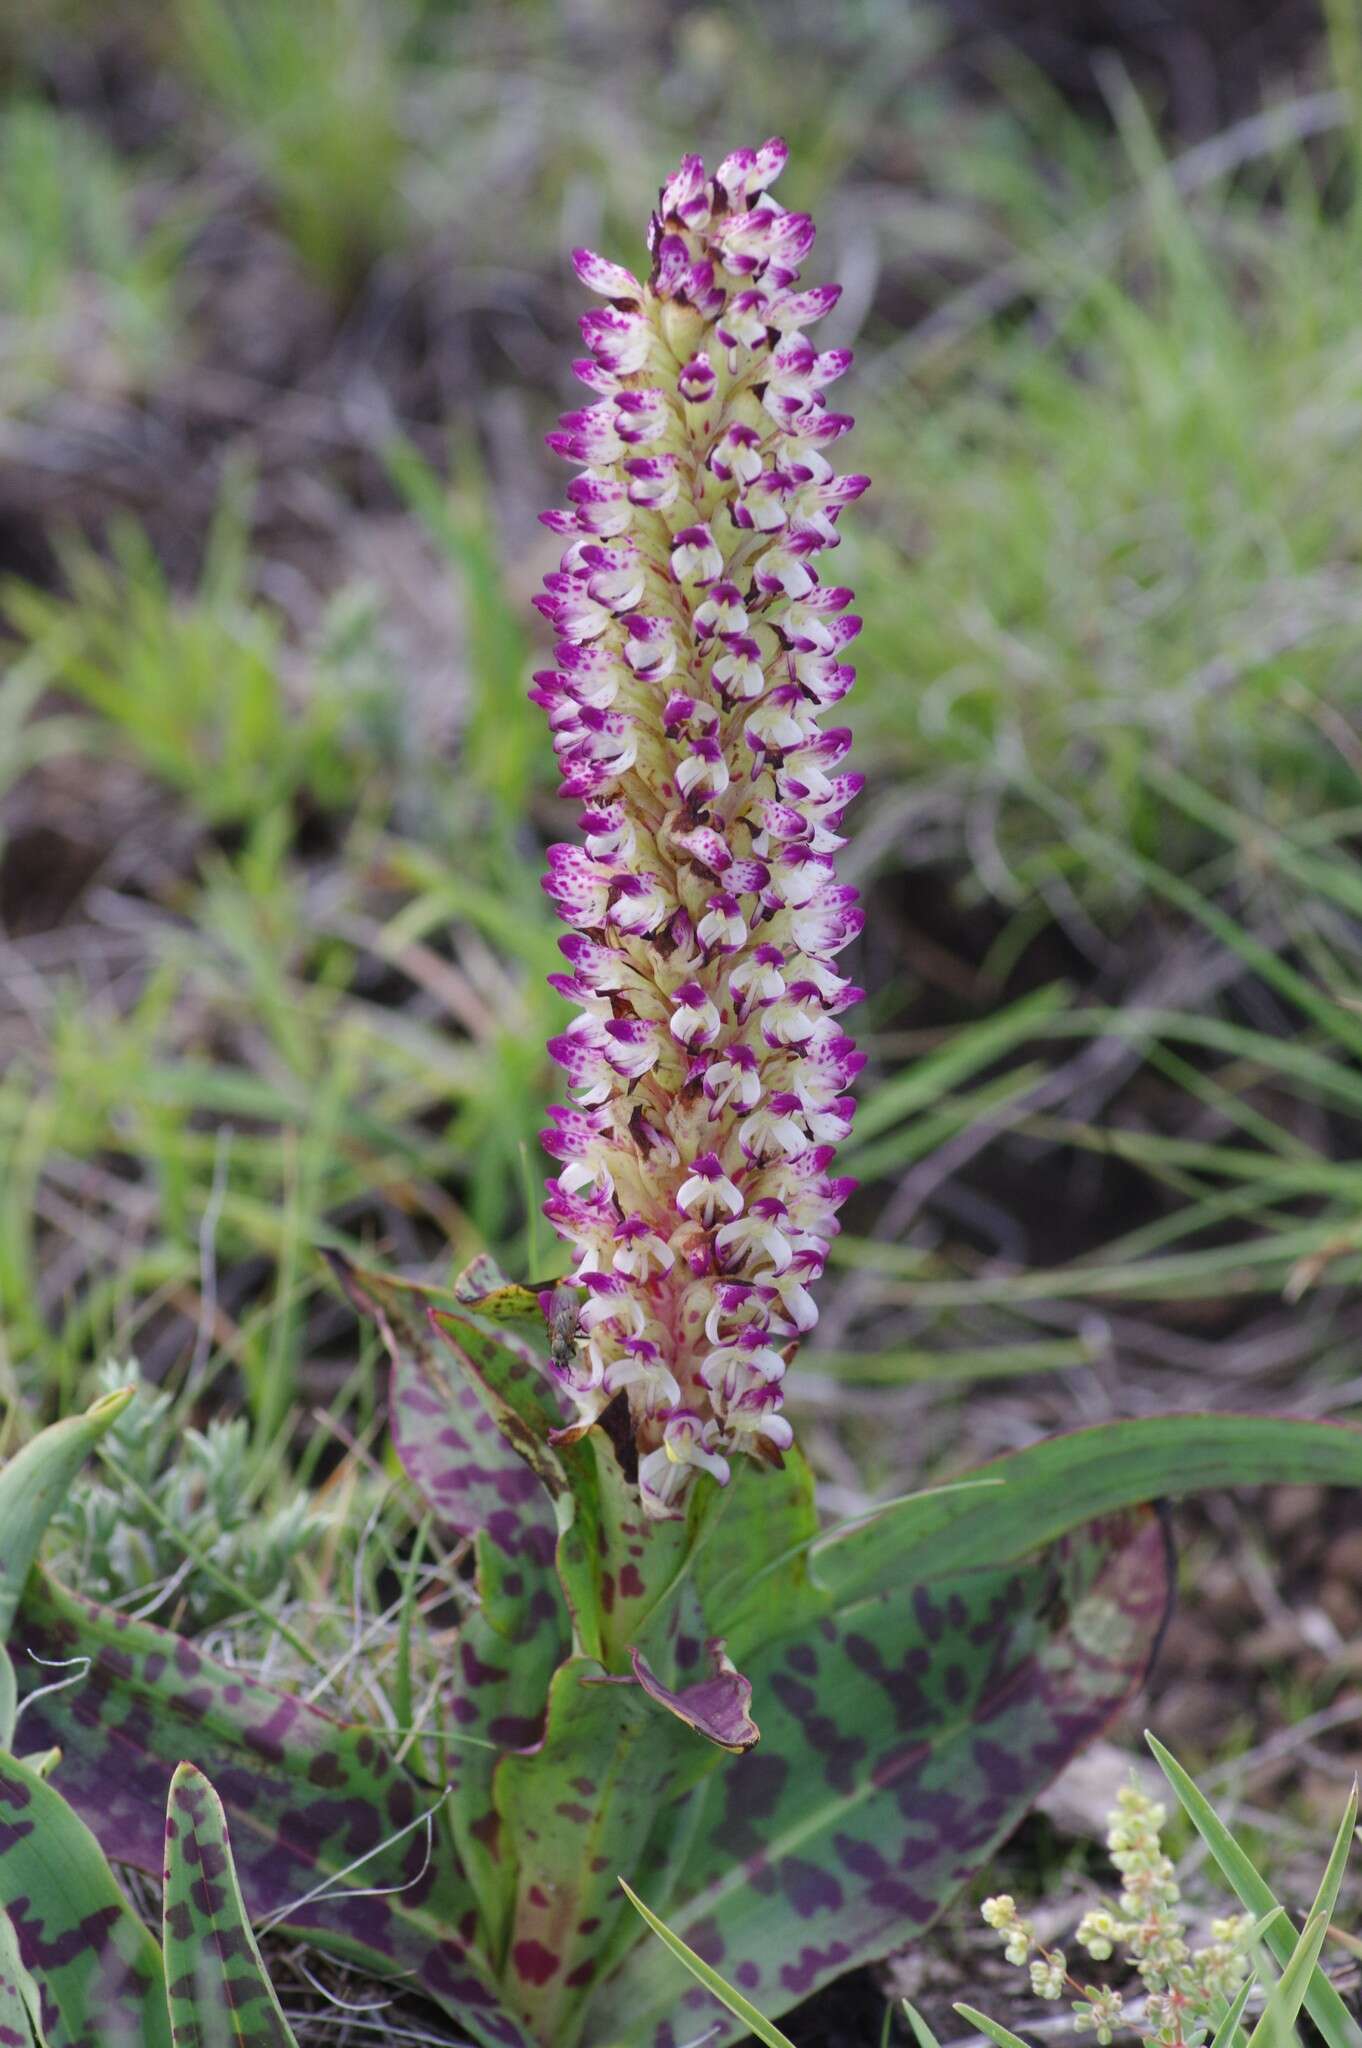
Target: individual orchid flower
696, 651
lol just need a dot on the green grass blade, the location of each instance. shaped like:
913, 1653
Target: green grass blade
922, 1085
1322, 2002
1228, 2029
922, 2033
911, 1366
756, 2022
1277, 2020
1001, 2036
1326, 1898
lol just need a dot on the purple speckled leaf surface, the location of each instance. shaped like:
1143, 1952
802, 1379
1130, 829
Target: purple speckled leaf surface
619, 1569
21, 2004
216, 1985
507, 1652
96, 1968
580, 1809
450, 1444
307, 1798
904, 1735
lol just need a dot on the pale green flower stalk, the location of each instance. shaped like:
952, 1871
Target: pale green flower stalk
696, 652
1185, 1989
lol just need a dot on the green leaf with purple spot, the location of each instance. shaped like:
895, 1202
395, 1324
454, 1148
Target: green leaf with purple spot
580, 1808
512, 1383
752, 1570
905, 1732
97, 1968
450, 1441
483, 1287
617, 1567
612, 1565
503, 1662
21, 2012
216, 1984
333, 1838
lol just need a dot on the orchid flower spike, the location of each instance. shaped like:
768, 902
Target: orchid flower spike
697, 650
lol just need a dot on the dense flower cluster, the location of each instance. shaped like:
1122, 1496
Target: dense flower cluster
1185, 1990
696, 652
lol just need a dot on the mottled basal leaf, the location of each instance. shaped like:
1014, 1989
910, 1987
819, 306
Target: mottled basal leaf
1052, 1486
618, 1568
450, 1445
315, 1806
21, 2012
218, 1992
904, 1733
35, 1482
97, 1968
483, 1287
513, 1385
508, 1650
610, 1565
514, 1389
470, 1414
580, 1809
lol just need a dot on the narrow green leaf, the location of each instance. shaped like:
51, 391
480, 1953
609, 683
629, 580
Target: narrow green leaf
740, 2007
33, 1485
1326, 1898
922, 2033
912, 1366
8, 1699
1052, 1486
1229, 2027
1001, 2036
1278, 2017
219, 1993
1322, 2002
21, 2017
97, 1968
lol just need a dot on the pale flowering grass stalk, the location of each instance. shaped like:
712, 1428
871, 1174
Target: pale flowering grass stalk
1185, 1990
697, 651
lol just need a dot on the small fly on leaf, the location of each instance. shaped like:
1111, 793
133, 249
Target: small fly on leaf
483, 1287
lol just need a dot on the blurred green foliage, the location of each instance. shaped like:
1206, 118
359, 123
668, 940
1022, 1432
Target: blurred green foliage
1107, 391
86, 291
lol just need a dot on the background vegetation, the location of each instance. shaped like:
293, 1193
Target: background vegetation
283, 315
